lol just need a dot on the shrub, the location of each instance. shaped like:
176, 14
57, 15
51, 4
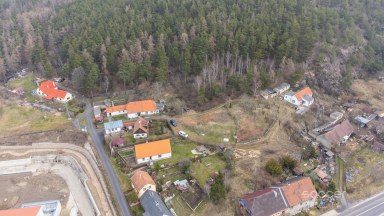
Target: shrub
273, 167
288, 162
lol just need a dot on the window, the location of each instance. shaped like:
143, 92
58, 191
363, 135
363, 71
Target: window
159, 156
150, 157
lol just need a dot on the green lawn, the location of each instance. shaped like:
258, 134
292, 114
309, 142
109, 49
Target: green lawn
181, 149
212, 134
125, 182
120, 117
28, 85
208, 165
180, 207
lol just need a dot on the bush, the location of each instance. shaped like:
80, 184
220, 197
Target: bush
287, 162
273, 167
309, 152
184, 165
132, 197
218, 189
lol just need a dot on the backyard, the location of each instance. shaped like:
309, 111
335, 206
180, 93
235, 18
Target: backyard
27, 84
208, 165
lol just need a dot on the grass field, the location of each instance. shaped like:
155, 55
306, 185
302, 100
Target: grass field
201, 171
14, 118
181, 149
180, 207
369, 177
125, 182
28, 85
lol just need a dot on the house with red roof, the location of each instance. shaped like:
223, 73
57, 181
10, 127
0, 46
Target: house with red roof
49, 91
135, 109
141, 182
288, 198
304, 97
141, 128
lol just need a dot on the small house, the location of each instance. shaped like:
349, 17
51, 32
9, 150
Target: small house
302, 97
153, 205
116, 110
113, 127
117, 142
283, 87
361, 121
97, 112
336, 116
141, 182
268, 93
152, 151
321, 174
141, 128
49, 91
337, 135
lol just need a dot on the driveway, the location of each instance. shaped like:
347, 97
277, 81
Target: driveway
99, 143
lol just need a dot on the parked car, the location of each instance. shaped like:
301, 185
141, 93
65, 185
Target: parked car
173, 122
183, 134
59, 80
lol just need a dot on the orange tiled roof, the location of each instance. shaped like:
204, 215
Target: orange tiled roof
50, 89
305, 91
115, 108
153, 148
141, 124
140, 179
299, 191
141, 106
30, 211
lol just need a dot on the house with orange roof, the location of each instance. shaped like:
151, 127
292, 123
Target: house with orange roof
152, 151
141, 128
49, 91
300, 194
141, 182
135, 109
304, 97
141, 108
30, 211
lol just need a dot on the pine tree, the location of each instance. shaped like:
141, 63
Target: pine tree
162, 65
126, 72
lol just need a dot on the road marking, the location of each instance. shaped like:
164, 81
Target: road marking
370, 209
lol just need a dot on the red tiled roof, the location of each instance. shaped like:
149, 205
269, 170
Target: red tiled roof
30, 211
339, 131
298, 191
140, 178
141, 106
49, 88
152, 148
305, 91
141, 124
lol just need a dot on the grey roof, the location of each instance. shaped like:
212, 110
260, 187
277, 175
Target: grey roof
113, 125
265, 202
96, 110
290, 93
362, 120
336, 115
153, 205
282, 86
308, 98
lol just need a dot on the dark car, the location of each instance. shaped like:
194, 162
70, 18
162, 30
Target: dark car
173, 123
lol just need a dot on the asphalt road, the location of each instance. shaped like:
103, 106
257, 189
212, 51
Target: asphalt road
373, 206
98, 141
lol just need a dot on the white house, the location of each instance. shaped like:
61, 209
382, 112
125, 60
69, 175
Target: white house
152, 151
141, 182
49, 90
141, 108
113, 127
302, 97
141, 128
51, 206
116, 110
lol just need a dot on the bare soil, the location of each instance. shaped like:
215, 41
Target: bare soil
25, 188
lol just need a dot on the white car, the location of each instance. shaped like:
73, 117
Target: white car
183, 134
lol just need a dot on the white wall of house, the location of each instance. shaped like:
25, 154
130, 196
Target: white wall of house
153, 158
121, 112
67, 98
135, 115
114, 130
301, 207
292, 99
307, 103
140, 135
145, 188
